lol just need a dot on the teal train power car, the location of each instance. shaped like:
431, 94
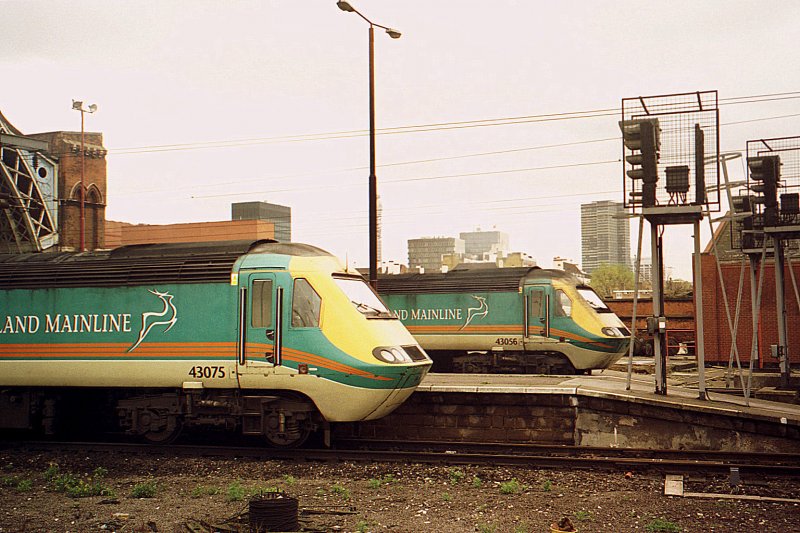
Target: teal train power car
507, 320
263, 338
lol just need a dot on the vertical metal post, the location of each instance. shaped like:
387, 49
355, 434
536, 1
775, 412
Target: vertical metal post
659, 349
635, 303
780, 302
373, 179
83, 170
698, 310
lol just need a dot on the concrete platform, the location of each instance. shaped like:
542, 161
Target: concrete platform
595, 410
613, 385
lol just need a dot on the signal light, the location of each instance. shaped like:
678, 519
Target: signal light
643, 138
742, 205
766, 170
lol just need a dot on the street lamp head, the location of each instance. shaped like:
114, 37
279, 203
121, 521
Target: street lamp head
92, 108
394, 34
76, 104
345, 6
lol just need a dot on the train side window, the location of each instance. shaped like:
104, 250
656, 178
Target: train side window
306, 305
563, 304
261, 302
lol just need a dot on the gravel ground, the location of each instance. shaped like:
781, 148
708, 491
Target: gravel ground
174, 493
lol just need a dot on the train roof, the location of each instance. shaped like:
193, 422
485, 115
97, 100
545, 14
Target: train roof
197, 262
468, 280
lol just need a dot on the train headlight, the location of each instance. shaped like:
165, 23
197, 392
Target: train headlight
612, 332
391, 354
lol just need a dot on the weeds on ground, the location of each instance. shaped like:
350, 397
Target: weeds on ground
145, 489
447, 497
236, 492
375, 483
510, 487
523, 527
17, 483
476, 482
289, 480
200, 491
362, 526
582, 516
76, 487
547, 486
456, 475
341, 491
660, 525
487, 528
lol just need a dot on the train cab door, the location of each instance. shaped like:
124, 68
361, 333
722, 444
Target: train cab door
537, 318
261, 327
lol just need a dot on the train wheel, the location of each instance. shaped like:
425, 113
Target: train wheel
293, 436
166, 434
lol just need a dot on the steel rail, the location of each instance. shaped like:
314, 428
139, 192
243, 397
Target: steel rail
610, 461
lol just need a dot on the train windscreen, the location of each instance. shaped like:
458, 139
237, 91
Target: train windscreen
363, 297
594, 300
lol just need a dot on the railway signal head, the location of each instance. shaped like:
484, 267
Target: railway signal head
765, 171
743, 220
642, 137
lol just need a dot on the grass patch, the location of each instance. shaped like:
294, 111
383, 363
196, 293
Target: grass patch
523, 527
547, 486
487, 528
75, 486
510, 487
341, 491
145, 489
200, 491
661, 525
236, 492
476, 482
583, 516
456, 475
289, 480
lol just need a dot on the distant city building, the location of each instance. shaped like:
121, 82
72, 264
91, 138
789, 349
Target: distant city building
570, 267
427, 252
478, 243
605, 235
279, 215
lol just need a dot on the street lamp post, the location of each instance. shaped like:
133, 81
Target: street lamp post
373, 178
78, 105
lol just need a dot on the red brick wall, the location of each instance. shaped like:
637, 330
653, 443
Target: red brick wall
717, 333
122, 233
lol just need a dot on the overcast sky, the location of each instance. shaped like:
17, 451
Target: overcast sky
206, 103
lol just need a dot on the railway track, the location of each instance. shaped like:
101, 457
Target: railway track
438, 453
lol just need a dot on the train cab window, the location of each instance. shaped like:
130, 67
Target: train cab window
306, 305
594, 300
563, 304
261, 303
363, 297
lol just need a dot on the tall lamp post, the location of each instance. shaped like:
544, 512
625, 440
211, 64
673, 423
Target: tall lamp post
78, 105
373, 179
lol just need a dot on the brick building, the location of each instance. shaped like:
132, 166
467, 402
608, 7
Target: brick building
715, 321
123, 233
65, 146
